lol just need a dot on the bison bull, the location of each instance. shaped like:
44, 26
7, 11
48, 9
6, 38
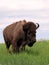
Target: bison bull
20, 34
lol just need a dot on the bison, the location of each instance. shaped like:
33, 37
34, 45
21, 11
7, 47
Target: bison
20, 34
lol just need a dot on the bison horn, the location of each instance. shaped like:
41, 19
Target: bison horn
37, 25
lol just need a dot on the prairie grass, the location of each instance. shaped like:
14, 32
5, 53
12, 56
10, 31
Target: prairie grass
38, 54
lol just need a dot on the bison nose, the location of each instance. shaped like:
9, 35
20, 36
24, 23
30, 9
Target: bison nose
34, 41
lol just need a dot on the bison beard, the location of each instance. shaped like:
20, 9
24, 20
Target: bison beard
20, 34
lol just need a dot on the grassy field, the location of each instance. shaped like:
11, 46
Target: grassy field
36, 55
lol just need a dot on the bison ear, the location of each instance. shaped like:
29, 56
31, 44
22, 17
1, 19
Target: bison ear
37, 25
25, 27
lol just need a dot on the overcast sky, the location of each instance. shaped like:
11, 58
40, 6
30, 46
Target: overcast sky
35, 10
23, 4
9, 7
39, 9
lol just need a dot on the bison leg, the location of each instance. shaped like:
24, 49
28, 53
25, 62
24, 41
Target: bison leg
22, 47
15, 47
7, 46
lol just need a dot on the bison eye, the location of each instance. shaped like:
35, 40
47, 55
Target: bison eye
34, 35
28, 32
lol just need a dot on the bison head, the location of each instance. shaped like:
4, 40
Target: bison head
30, 32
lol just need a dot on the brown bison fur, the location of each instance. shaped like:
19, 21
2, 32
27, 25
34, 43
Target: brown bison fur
20, 34
30, 33
13, 34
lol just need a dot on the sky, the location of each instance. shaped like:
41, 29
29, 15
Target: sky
23, 4
34, 10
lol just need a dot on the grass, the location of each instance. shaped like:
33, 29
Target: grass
38, 54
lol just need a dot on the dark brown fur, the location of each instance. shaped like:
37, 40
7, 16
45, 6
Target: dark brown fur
13, 33
20, 34
30, 29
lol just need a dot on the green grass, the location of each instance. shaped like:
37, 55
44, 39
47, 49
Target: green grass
38, 54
